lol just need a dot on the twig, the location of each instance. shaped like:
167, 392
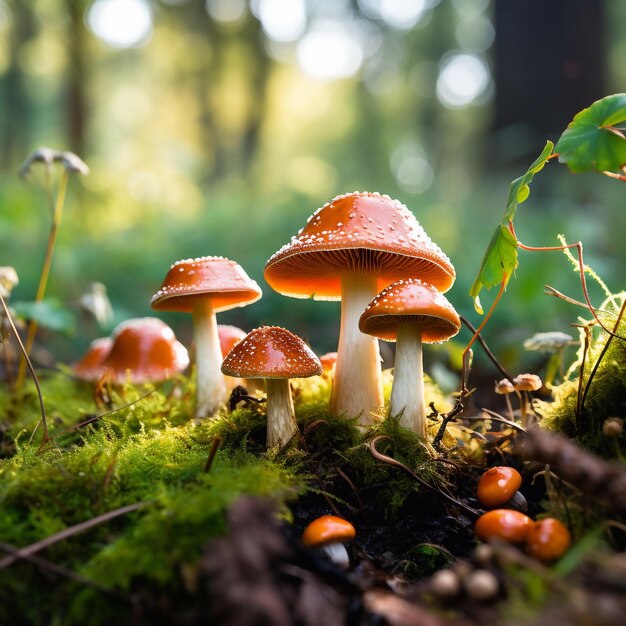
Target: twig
217, 440
449, 417
42, 408
391, 461
70, 531
601, 356
496, 418
581, 376
485, 347
95, 418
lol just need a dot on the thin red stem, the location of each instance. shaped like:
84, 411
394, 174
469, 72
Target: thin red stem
475, 336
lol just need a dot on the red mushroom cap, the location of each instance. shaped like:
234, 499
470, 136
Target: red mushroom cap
498, 484
271, 352
548, 539
229, 336
223, 280
327, 529
410, 300
360, 231
148, 349
90, 367
506, 524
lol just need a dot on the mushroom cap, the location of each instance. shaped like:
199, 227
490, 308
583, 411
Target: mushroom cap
410, 300
271, 352
527, 382
358, 231
148, 348
505, 524
327, 529
90, 366
548, 539
498, 485
223, 280
504, 386
229, 336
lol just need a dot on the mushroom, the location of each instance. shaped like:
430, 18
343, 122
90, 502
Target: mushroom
349, 250
410, 312
204, 287
548, 540
147, 349
328, 534
229, 337
505, 388
90, 366
499, 485
523, 383
276, 355
506, 524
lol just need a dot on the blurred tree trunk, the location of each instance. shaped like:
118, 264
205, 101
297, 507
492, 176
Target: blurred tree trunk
77, 76
14, 127
550, 64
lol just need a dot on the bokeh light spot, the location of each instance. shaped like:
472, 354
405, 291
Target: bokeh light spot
121, 23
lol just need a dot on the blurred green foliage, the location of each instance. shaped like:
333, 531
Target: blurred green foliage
210, 138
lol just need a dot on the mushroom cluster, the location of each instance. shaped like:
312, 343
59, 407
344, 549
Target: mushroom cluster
364, 249
349, 250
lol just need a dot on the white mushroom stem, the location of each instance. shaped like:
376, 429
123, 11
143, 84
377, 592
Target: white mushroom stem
281, 417
357, 383
407, 392
210, 383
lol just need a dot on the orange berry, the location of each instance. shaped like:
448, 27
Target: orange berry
506, 524
548, 539
498, 485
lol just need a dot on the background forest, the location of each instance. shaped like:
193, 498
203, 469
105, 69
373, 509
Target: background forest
218, 127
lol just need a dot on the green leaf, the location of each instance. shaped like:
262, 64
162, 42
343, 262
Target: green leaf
500, 261
500, 258
520, 187
48, 314
592, 140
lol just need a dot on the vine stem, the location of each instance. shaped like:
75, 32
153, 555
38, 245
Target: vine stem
57, 213
476, 335
44, 421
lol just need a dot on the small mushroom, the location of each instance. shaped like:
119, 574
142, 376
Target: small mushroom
328, 534
499, 485
276, 355
505, 524
481, 585
548, 540
204, 287
90, 366
349, 250
410, 312
147, 350
526, 383
505, 388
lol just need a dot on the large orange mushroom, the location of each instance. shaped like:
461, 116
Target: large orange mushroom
145, 349
349, 250
410, 312
204, 287
276, 355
